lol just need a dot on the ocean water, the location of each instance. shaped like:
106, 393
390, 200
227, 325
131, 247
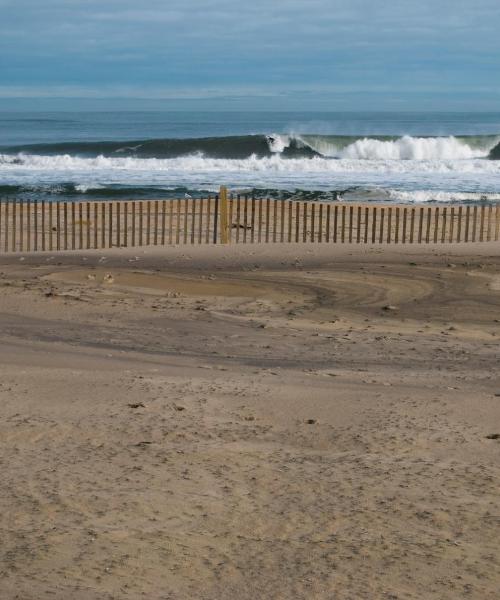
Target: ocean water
404, 157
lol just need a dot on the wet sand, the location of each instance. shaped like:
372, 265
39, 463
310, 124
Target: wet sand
268, 422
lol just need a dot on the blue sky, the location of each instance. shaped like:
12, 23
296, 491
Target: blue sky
288, 54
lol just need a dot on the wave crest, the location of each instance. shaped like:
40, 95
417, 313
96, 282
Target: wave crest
387, 148
287, 146
410, 148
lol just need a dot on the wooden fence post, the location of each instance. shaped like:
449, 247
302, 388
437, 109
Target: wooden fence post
223, 216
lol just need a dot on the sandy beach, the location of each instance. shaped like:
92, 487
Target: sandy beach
253, 422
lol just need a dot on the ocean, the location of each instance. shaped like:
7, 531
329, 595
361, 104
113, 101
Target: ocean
403, 157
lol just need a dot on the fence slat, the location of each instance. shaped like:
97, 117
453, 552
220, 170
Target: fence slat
275, 220
35, 225
110, 224
342, 224
125, 224
155, 234
389, 224
171, 222
452, 223
12, 229
164, 222
358, 226
14, 232
103, 225
73, 225
118, 225
51, 224
65, 229
436, 224
7, 228
297, 213
58, 226
185, 220
193, 218
148, 222
351, 222
28, 208
467, 223
21, 225
428, 226
374, 224
268, 215
178, 220
80, 225
290, 217
282, 220
200, 220
252, 235
420, 225
216, 218
412, 225
328, 218
304, 221
381, 232
87, 224
245, 217
209, 209
238, 218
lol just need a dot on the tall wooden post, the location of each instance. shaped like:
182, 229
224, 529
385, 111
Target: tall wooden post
223, 216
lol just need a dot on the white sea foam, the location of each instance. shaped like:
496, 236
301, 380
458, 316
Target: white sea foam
440, 196
274, 163
403, 148
412, 180
411, 148
83, 188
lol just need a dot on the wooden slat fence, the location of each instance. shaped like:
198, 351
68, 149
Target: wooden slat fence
53, 226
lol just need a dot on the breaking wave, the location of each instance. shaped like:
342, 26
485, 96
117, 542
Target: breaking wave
287, 146
389, 168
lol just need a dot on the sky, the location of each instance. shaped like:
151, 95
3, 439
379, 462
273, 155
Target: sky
257, 54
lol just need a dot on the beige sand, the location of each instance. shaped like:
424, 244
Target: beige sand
271, 422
